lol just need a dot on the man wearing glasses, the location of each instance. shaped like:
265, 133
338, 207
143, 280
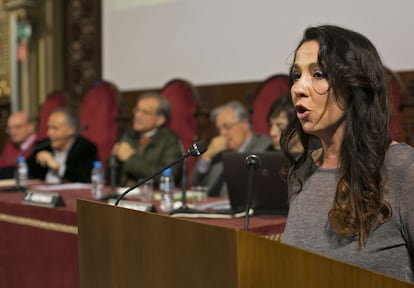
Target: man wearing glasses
150, 145
235, 133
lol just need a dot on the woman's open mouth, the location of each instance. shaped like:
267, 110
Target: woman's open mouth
302, 112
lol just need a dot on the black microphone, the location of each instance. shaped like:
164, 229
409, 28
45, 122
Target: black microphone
196, 149
252, 162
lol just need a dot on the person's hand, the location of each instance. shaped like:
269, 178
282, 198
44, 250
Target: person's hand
217, 145
115, 148
46, 159
123, 151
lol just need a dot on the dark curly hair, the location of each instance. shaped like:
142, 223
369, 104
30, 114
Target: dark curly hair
356, 76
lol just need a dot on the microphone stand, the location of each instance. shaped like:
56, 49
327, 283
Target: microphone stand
195, 150
184, 208
252, 162
112, 179
248, 197
184, 184
149, 177
112, 175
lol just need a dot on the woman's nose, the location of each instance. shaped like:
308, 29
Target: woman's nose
300, 87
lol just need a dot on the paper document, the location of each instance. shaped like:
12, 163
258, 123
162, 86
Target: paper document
212, 215
65, 186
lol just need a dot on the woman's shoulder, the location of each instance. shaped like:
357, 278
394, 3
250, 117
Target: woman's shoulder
398, 148
399, 154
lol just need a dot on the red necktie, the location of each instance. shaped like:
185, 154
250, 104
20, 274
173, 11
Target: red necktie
144, 141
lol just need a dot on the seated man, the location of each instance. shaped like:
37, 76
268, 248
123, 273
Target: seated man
65, 156
22, 136
150, 145
235, 134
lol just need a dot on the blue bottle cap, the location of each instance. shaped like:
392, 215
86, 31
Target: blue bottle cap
97, 164
167, 172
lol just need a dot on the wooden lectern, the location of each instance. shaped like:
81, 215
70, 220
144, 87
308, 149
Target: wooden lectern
124, 248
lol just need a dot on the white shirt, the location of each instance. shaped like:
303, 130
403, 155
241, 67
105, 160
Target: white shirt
53, 176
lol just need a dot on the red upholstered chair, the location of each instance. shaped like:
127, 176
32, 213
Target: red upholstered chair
54, 100
183, 98
396, 92
269, 90
98, 111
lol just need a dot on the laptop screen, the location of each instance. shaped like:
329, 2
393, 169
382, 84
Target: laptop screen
269, 190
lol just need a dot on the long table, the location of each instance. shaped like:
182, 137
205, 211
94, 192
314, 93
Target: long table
39, 245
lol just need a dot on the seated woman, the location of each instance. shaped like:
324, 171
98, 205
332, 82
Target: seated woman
280, 114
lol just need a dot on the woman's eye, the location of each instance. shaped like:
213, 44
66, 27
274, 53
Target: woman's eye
294, 76
319, 75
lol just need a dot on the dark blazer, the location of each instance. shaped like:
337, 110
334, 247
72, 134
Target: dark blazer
79, 162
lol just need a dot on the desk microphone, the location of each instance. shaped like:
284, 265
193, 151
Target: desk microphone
184, 208
112, 164
112, 174
196, 149
252, 162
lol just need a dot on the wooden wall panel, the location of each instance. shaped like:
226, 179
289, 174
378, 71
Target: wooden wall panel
83, 46
407, 106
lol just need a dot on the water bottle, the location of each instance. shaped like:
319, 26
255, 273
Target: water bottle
22, 172
167, 187
97, 180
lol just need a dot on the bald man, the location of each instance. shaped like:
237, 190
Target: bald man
22, 136
65, 156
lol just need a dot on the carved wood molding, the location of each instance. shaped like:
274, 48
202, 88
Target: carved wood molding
83, 45
4, 53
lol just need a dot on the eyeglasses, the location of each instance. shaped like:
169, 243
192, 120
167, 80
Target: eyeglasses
143, 111
227, 126
16, 127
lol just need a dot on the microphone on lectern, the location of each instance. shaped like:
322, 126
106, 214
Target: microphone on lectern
196, 149
252, 162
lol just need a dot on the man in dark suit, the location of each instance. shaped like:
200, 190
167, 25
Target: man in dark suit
232, 121
65, 156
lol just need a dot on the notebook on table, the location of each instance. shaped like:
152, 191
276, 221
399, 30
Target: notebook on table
269, 190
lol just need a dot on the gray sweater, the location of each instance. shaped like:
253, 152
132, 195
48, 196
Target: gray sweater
390, 247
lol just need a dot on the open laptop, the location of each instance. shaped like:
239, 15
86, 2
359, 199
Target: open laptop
269, 190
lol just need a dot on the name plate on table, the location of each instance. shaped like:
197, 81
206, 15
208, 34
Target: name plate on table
44, 199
